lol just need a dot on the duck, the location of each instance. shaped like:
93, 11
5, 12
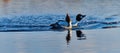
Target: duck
67, 23
79, 17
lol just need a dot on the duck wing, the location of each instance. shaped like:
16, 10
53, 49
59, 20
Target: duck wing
62, 23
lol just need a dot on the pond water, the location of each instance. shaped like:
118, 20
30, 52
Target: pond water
25, 26
95, 41
31, 15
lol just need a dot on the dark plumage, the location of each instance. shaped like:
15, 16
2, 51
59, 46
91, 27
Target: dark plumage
79, 17
67, 23
67, 18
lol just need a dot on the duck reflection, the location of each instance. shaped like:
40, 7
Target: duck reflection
79, 34
68, 37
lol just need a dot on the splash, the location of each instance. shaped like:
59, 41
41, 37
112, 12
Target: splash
42, 22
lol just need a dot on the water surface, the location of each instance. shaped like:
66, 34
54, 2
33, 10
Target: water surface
97, 41
25, 26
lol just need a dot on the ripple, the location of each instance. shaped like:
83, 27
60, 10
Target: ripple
42, 22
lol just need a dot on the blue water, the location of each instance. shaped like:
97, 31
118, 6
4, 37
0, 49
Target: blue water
42, 22
98, 32
37, 15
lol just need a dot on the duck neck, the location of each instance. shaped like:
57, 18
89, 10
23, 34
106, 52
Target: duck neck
70, 24
77, 22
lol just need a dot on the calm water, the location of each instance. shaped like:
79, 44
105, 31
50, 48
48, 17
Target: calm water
96, 41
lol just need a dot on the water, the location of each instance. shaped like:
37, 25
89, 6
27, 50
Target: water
96, 41
42, 22
33, 15
25, 26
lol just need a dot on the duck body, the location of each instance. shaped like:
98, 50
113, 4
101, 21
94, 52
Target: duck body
60, 24
67, 23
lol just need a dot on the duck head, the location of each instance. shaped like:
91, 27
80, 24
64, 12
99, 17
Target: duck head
79, 17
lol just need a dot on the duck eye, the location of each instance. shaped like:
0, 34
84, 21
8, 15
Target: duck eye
83, 15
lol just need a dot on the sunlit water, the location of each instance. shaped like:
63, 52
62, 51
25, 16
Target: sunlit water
24, 30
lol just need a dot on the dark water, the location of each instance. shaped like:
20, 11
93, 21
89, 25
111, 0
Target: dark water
42, 22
